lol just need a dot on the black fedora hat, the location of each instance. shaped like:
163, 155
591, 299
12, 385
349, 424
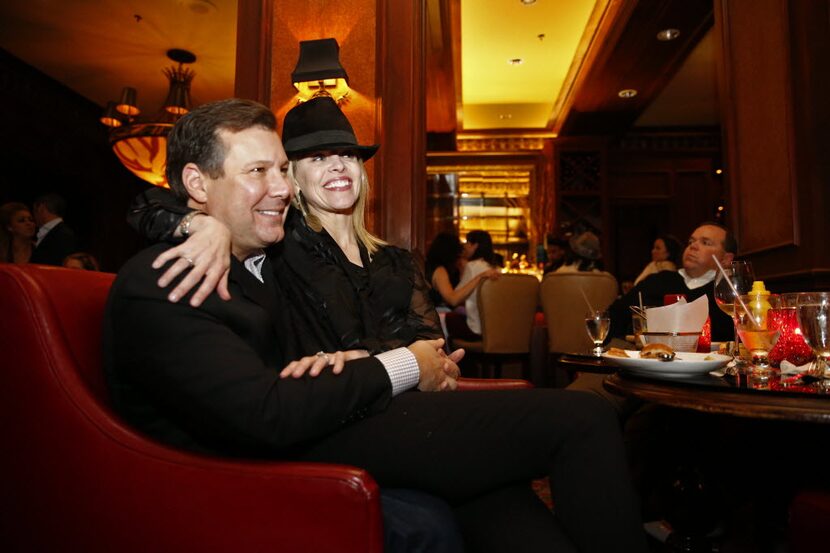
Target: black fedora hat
318, 125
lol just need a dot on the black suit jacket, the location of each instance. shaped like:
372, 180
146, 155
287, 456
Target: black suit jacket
207, 379
55, 246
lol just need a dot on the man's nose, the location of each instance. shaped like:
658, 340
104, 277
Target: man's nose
278, 185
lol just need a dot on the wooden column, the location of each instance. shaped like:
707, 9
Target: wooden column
774, 86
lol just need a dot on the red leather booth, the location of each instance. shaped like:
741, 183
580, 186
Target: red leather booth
75, 478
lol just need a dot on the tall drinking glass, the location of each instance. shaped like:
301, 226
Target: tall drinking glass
741, 275
597, 323
758, 338
813, 310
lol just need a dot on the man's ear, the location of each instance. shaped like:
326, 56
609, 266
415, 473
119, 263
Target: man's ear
727, 258
194, 182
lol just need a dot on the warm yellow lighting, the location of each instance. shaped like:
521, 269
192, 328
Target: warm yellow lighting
668, 34
718, 171
142, 149
336, 88
627, 93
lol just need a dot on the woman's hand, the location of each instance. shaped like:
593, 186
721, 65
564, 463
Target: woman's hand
207, 253
314, 364
492, 274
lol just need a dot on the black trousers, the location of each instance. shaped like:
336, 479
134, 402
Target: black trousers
479, 450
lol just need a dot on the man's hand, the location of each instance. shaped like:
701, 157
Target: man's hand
314, 364
207, 253
438, 371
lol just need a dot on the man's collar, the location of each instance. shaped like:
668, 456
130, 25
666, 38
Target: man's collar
46, 227
697, 282
254, 263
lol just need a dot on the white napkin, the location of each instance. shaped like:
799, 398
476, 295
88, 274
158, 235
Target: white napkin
678, 317
790, 369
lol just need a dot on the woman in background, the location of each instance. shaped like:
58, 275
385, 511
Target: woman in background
81, 260
665, 256
17, 233
584, 254
443, 271
478, 250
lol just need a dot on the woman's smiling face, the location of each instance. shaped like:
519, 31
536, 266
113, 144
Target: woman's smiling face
330, 181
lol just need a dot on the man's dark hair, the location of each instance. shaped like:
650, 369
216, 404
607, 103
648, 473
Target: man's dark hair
730, 243
195, 137
53, 202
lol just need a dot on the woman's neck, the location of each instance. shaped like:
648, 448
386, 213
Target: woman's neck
21, 249
339, 227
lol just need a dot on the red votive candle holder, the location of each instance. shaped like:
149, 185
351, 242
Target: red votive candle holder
790, 345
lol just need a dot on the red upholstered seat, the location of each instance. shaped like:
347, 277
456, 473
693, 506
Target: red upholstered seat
75, 478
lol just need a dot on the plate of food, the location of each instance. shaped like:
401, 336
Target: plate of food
661, 361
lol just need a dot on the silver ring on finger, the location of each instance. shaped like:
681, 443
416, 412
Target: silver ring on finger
189, 261
323, 354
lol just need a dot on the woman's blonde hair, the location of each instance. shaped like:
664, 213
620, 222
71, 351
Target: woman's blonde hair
369, 241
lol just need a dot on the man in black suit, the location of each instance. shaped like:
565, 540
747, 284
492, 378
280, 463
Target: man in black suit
207, 378
55, 240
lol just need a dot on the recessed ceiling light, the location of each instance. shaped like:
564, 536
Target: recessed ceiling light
527, 2
515, 61
627, 93
505, 116
668, 34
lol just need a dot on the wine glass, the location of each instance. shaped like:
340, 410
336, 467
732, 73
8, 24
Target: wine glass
597, 323
757, 338
741, 275
813, 309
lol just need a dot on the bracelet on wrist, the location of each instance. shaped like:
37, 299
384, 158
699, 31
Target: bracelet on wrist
184, 224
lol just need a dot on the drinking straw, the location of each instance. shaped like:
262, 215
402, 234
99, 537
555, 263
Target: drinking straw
640, 295
585, 297
737, 295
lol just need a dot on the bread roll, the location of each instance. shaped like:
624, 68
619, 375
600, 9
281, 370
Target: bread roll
652, 350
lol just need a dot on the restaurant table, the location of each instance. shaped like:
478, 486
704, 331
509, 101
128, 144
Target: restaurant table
778, 414
727, 395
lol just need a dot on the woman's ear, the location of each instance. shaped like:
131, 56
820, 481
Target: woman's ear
195, 183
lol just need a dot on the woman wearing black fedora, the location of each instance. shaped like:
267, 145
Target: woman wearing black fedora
346, 289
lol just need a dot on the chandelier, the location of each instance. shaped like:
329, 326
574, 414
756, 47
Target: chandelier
141, 144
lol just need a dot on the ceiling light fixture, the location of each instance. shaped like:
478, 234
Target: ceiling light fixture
627, 93
527, 2
668, 34
515, 61
141, 146
318, 71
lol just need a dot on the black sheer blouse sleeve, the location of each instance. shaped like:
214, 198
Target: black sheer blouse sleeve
155, 214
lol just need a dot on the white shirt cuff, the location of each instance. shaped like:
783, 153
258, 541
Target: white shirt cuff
402, 368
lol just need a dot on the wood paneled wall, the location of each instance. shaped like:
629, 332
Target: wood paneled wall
52, 142
774, 85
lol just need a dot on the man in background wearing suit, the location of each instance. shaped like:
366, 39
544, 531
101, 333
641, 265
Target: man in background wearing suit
55, 240
208, 378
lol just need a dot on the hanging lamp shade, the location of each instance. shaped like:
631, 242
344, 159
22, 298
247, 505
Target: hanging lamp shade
318, 71
141, 145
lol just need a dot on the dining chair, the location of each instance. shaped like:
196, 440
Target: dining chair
507, 307
564, 306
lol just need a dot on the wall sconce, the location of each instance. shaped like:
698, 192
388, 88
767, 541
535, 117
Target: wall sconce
141, 146
318, 71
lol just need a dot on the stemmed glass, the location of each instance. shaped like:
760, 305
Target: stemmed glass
741, 275
813, 309
758, 338
597, 323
